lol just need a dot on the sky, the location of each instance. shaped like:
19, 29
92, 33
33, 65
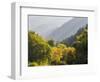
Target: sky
46, 24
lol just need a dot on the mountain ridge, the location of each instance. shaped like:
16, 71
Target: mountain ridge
68, 29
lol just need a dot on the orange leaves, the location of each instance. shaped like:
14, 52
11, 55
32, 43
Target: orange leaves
56, 54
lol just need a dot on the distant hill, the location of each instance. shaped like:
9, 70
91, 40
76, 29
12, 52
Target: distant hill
72, 38
68, 29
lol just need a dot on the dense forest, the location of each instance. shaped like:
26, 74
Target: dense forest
73, 50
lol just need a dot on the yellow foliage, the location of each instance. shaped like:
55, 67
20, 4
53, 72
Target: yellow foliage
70, 50
62, 46
56, 54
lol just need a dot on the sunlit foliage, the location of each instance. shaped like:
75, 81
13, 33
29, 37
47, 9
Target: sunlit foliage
56, 55
69, 55
47, 52
38, 49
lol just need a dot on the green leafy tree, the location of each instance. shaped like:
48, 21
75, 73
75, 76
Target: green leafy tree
81, 44
69, 55
51, 43
39, 51
62, 46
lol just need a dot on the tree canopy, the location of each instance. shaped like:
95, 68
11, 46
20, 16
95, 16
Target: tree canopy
47, 52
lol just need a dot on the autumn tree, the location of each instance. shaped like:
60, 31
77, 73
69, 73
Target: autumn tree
69, 55
56, 55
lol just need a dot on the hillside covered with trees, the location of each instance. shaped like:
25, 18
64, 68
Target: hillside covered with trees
42, 52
